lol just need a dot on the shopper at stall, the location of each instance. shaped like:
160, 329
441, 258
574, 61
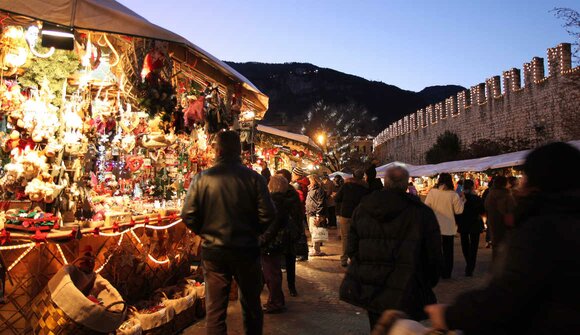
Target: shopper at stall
373, 182
229, 206
295, 232
395, 248
499, 205
265, 171
330, 191
272, 250
535, 290
315, 211
300, 183
446, 203
348, 198
470, 226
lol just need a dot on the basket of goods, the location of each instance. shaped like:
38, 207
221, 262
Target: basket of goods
130, 327
31, 221
185, 300
156, 319
77, 301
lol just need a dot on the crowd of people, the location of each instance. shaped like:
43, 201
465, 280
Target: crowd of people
395, 247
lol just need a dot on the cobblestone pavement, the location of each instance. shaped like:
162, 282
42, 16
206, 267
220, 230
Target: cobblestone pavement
317, 309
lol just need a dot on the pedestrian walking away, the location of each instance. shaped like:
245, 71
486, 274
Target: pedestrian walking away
446, 203
499, 206
229, 206
470, 226
395, 249
273, 243
295, 233
347, 199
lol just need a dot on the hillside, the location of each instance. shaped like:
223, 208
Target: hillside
294, 87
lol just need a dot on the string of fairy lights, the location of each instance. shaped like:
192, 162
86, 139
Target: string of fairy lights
31, 245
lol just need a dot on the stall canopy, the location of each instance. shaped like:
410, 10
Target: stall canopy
342, 174
112, 17
381, 169
286, 134
468, 165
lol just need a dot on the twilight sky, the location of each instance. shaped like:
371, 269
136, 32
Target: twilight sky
407, 43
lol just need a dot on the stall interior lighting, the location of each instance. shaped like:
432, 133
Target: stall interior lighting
59, 37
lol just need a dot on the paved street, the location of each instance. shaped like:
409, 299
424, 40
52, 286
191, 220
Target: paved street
317, 309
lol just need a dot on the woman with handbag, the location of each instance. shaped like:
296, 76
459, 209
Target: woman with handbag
272, 244
316, 214
295, 232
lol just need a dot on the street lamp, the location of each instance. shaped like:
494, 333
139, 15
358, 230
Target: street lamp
321, 138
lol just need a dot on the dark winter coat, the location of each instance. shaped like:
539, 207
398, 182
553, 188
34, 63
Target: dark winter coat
375, 184
470, 221
349, 196
394, 245
315, 201
229, 206
499, 204
535, 287
274, 239
295, 229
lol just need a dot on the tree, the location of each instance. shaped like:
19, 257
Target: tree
334, 128
446, 148
571, 24
571, 81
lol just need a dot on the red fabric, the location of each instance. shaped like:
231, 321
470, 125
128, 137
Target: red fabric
194, 112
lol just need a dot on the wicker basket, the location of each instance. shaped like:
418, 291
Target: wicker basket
50, 314
161, 322
185, 310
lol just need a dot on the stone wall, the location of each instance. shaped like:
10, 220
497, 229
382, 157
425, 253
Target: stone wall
544, 109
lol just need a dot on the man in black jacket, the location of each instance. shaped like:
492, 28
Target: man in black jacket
347, 199
395, 249
534, 288
229, 206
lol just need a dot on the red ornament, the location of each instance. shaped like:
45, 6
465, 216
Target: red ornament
4, 236
301, 154
39, 237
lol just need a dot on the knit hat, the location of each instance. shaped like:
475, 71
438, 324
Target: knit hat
299, 172
543, 166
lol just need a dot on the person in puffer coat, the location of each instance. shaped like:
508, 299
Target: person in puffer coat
394, 245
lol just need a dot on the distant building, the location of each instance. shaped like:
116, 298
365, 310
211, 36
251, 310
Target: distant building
362, 145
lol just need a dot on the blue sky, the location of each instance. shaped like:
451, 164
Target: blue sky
410, 44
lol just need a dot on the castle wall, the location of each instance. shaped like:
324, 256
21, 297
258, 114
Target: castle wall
544, 109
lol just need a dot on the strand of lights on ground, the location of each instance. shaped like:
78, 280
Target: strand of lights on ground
31, 245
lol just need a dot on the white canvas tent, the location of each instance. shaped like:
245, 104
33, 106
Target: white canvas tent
112, 17
342, 174
468, 165
381, 169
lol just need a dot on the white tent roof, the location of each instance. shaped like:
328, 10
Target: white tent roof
111, 16
381, 169
478, 164
338, 173
286, 134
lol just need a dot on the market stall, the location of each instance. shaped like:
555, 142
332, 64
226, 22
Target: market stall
279, 149
105, 118
477, 169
